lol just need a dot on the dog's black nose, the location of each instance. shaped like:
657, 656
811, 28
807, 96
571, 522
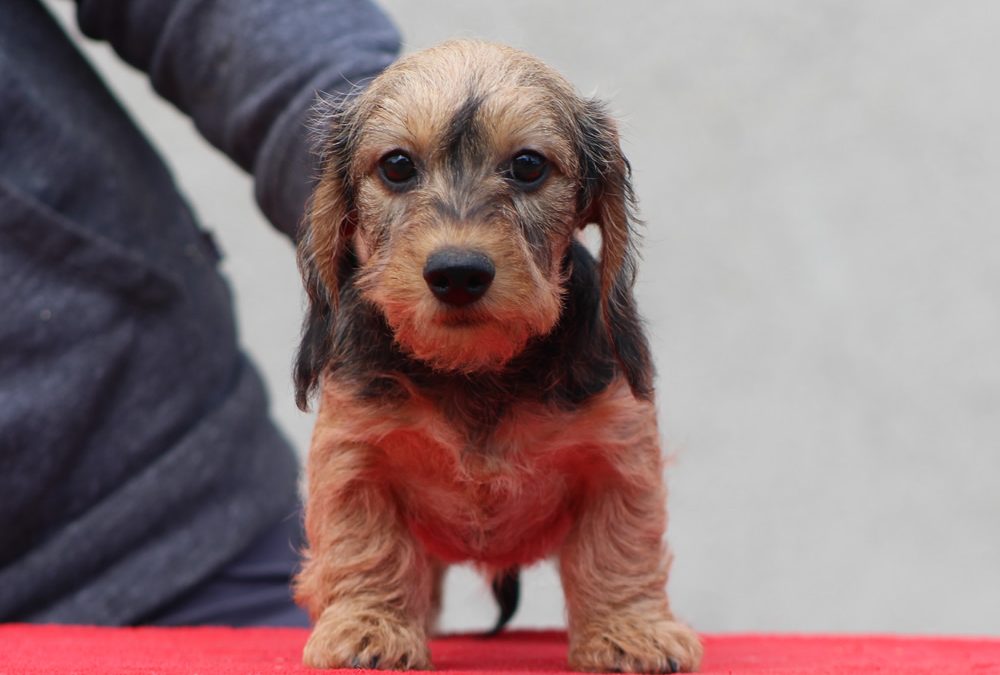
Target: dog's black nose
458, 277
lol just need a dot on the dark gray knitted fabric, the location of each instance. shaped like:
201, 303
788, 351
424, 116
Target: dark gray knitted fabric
136, 451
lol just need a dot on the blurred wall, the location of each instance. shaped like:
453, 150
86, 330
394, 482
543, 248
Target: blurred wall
821, 183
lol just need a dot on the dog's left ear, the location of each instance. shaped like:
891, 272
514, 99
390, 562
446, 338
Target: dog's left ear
606, 198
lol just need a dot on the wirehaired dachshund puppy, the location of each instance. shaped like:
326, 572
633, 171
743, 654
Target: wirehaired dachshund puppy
485, 388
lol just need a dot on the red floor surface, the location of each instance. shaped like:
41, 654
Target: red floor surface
77, 649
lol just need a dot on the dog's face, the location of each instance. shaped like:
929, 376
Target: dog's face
454, 185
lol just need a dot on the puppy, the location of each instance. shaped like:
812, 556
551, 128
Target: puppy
485, 388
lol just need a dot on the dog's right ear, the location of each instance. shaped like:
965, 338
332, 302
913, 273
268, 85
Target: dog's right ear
324, 240
606, 198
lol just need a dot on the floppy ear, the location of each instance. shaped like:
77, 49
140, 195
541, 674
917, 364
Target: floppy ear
324, 256
606, 198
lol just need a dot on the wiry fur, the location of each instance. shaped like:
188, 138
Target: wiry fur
518, 427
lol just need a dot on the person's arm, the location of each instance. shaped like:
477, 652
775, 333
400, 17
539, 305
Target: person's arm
247, 72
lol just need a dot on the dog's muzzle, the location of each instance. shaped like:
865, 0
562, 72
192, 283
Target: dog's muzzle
458, 277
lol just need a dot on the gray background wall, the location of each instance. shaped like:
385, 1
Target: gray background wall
821, 278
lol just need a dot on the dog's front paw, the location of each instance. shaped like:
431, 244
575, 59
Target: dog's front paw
369, 641
636, 646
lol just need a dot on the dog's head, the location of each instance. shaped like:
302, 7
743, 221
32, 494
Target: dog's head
450, 191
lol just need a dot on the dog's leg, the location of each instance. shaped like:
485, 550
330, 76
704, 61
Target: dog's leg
614, 570
366, 582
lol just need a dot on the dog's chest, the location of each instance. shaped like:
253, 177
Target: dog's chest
503, 497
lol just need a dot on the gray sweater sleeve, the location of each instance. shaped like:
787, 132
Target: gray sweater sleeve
247, 72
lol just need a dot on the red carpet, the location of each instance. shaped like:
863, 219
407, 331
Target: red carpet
46, 649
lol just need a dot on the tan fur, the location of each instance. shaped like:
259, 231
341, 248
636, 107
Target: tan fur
398, 488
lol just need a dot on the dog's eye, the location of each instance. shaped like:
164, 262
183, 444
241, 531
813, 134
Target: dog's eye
397, 168
528, 169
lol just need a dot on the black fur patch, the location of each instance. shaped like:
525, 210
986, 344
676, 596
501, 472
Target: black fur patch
630, 344
314, 350
462, 138
319, 331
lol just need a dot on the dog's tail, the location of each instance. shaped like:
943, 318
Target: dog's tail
507, 591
